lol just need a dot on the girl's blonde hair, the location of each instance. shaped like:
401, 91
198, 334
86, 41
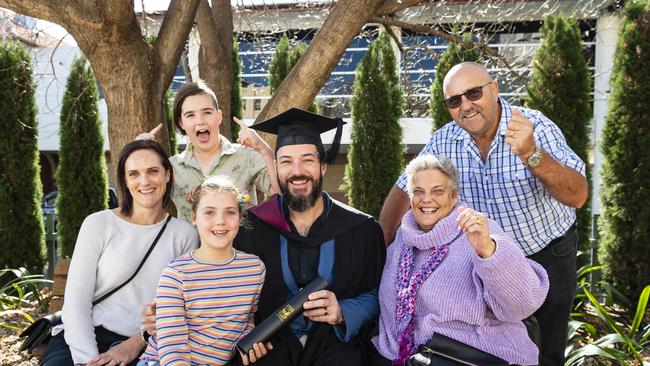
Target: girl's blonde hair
217, 184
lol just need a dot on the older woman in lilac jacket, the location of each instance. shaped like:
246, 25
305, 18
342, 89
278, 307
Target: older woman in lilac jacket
453, 271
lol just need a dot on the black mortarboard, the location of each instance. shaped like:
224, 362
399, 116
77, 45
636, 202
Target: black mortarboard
296, 127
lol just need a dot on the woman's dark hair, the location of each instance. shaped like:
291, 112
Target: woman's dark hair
126, 199
188, 90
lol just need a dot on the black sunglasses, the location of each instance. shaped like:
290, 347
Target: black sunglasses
472, 95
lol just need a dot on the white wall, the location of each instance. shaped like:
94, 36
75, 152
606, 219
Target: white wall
606, 35
51, 70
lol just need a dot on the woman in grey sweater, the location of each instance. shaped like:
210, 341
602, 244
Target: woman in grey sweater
109, 248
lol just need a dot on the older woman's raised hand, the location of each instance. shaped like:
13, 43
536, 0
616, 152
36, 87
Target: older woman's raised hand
475, 226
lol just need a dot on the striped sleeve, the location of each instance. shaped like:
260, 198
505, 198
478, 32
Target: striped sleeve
171, 324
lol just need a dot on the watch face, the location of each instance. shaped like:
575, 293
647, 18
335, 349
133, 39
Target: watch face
535, 159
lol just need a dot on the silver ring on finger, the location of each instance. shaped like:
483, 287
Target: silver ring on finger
325, 310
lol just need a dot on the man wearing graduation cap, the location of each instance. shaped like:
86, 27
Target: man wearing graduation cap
305, 234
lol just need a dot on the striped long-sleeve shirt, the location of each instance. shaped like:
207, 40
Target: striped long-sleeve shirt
203, 309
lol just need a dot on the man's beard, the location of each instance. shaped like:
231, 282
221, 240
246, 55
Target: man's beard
302, 203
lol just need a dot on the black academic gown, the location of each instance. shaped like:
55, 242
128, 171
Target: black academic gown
359, 257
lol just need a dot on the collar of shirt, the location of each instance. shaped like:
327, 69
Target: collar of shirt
187, 156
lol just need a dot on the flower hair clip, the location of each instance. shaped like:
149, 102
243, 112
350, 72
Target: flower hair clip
189, 197
245, 200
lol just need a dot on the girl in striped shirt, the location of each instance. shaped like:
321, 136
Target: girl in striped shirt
206, 299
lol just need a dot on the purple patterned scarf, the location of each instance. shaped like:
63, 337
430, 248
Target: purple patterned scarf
407, 286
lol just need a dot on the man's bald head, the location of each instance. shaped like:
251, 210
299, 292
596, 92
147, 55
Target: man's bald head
480, 115
476, 70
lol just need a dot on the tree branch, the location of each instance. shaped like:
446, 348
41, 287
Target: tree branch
172, 37
117, 11
301, 86
388, 22
44, 9
393, 6
398, 42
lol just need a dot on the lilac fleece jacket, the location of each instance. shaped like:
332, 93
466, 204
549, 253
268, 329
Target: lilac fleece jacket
480, 302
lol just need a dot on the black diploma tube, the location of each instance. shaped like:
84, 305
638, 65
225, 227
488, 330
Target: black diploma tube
281, 317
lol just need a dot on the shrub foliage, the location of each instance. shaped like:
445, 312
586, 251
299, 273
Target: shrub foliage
454, 54
284, 59
236, 104
375, 158
81, 174
561, 74
22, 241
625, 233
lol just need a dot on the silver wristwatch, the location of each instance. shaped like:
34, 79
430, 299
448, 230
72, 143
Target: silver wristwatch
536, 158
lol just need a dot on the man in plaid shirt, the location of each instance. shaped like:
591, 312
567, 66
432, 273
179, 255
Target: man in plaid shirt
516, 167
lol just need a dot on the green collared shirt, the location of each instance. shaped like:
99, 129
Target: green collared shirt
243, 165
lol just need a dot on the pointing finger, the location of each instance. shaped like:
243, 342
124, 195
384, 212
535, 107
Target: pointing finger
156, 129
240, 122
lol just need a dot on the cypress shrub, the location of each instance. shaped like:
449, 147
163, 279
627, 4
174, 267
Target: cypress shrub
625, 233
375, 157
560, 87
236, 105
81, 174
22, 240
279, 68
168, 108
454, 54
284, 59
294, 56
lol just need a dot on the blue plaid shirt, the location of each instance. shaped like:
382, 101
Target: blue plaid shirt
502, 187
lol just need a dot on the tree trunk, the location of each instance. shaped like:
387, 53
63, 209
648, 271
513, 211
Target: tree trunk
215, 54
133, 74
133, 99
139, 109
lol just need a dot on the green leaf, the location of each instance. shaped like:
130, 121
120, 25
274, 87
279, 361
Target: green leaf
640, 310
611, 324
575, 325
588, 269
594, 350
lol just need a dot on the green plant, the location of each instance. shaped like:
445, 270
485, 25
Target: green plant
22, 240
601, 328
168, 113
375, 157
560, 73
454, 54
81, 174
625, 187
284, 59
21, 291
279, 67
236, 104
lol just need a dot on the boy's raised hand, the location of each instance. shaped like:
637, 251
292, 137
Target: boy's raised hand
248, 136
151, 135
